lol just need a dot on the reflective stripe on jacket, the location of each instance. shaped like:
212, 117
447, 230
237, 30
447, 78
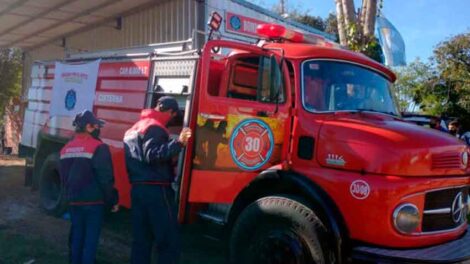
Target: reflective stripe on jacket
86, 171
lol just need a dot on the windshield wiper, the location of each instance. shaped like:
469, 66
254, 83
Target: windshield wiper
360, 110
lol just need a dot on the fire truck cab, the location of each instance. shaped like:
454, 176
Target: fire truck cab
299, 153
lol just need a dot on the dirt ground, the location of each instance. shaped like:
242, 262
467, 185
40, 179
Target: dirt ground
28, 235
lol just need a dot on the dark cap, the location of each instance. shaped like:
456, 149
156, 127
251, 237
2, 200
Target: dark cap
167, 103
87, 117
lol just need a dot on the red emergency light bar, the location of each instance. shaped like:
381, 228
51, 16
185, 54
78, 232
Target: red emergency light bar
274, 31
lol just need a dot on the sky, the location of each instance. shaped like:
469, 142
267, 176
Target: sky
422, 23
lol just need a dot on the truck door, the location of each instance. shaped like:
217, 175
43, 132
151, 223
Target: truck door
242, 119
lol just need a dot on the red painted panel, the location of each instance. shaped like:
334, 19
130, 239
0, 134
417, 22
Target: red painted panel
114, 130
121, 180
217, 187
116, 115
133, 85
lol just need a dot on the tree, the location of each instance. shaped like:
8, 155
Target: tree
412, 83
331, 25
10, 77
452, 58
356, 29
442, 85
313, 21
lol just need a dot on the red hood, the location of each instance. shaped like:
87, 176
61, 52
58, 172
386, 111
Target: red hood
381, 144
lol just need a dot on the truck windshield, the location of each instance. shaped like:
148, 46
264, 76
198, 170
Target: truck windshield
340, 86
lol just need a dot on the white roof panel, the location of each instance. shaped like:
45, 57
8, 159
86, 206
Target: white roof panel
59, 14
34, 26
29, 10
67, 27
29, 23
7, 21
82, 5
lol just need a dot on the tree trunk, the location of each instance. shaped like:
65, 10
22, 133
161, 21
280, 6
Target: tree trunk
362, 14
369, 15
349, 12
341, 25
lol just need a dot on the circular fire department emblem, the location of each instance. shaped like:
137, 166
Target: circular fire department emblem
235, 22
251, 144
70, 99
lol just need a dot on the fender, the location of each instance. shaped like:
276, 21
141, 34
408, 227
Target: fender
273, 181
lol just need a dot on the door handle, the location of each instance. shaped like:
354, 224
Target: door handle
213, 116
264, 113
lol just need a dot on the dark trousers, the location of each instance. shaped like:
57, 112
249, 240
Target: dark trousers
154, 220
85, 232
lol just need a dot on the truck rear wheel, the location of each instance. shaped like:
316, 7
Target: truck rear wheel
277, 230
50, 187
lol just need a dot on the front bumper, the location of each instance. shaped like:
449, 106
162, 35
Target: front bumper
456, 251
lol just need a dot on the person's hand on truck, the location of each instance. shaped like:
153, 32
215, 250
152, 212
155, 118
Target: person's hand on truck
185, 135
115, 208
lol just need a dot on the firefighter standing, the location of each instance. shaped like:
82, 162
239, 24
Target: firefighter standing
87, 174
149, 153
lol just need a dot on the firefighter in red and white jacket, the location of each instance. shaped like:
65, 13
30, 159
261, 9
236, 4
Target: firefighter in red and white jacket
86, 171
149, 153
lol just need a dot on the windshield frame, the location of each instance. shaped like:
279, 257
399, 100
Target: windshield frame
386, 78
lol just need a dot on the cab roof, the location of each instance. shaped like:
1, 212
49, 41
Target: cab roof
302, 51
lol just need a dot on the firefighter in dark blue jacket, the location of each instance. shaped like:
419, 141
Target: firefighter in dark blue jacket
87, 174
149, 153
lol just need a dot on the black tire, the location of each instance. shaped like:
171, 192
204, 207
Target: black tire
277, 230
51, 191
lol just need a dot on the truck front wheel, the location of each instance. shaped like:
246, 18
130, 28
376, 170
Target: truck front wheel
50, 187
277, 229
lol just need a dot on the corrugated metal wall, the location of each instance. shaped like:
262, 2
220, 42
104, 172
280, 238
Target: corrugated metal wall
167, 21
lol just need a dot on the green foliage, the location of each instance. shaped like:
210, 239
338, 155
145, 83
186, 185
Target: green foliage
411, 83
331, 25
368, 45
441, 86
313, 21
10, 76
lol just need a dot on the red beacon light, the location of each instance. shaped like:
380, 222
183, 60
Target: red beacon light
279, 32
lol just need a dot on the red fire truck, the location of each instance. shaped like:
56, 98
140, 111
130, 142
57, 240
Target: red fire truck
299, 152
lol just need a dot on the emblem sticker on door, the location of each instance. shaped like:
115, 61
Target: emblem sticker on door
251, 144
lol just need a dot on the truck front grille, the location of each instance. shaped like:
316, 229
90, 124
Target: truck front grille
445, 209
448, 160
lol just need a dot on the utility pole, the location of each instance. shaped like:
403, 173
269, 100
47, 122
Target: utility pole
283, 7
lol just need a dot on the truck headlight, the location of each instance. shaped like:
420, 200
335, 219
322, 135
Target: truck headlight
406, 218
